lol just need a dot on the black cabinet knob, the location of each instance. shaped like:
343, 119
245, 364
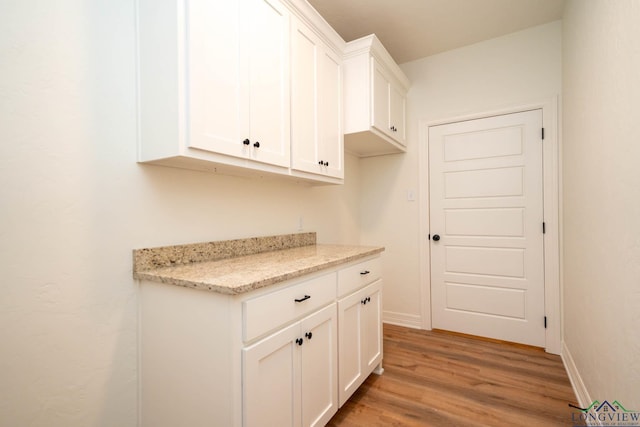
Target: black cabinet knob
246, 142
326, 163
308, 335
256, 144
321, 163
299, 341
436, 237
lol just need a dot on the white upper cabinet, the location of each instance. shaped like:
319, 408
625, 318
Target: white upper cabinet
375, 97
215, 86
316, 105
238, 92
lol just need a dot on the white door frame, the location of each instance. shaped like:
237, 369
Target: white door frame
551, 200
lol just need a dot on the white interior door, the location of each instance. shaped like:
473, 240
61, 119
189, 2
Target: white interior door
486, 223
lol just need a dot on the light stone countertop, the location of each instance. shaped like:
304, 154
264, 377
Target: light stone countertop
237, 275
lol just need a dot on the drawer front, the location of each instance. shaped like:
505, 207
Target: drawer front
357, 276
265, 313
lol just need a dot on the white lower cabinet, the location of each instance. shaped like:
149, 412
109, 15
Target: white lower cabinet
290, 378
360, 337
286, 355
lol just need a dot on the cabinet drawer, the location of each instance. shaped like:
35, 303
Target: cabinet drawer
267, 312
358, 276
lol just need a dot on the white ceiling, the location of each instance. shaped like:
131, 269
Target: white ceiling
412, 29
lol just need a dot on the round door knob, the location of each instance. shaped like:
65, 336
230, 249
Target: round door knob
436, 237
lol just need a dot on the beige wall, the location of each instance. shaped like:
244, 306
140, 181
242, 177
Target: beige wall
505, 72
74, 203
601, 138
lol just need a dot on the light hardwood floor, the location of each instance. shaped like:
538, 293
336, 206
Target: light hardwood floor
434, 378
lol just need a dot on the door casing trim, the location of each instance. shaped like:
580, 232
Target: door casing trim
552, 209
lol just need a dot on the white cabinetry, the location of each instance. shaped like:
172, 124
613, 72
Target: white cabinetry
360, 326
273, 356
316, 98
290, 377
238, 80
214, 85
214, 82
375, 97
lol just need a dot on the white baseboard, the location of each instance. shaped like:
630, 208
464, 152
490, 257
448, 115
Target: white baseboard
401, 319
579, 389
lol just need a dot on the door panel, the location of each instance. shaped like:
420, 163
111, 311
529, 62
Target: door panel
483, 183
267, 45
486, 206
486, 299
215, 77
271, 392
372, 326
502, 222
330, 140
380, 103
304, 93
349, 345
319, 367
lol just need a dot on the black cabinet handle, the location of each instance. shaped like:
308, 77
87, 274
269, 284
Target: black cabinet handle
246, 142
299, 341
256, 144
306, 297
364, 273
308, 335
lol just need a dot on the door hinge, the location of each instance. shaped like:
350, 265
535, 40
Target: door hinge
542, 133
545, 322
544, 228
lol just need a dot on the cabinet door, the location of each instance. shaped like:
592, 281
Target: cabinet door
265, 50
397, 114
316, 105
271, 370
330, 138
304, 99
319, 380
360, 337
214, 78
351, 372
372, 327
380, 101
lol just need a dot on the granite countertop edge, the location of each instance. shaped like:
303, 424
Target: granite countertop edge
222, 276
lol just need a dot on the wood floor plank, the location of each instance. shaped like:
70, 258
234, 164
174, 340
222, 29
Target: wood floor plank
433, 378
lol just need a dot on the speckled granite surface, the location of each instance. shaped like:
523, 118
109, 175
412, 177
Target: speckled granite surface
170, 256
242, 272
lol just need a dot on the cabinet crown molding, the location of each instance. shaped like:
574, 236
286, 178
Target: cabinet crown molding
371, 44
